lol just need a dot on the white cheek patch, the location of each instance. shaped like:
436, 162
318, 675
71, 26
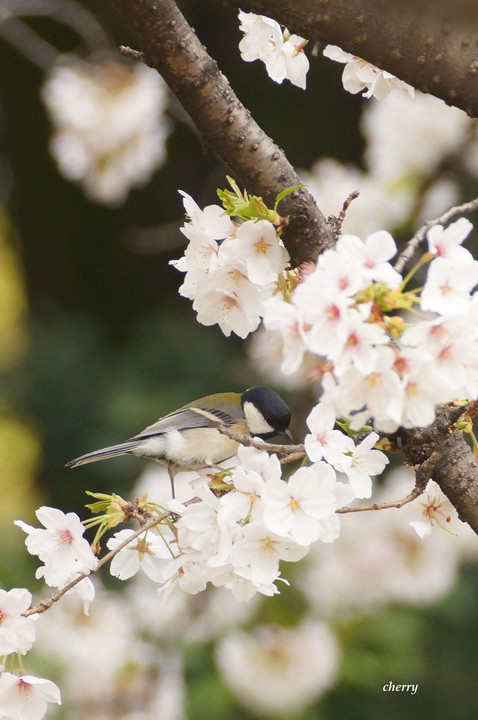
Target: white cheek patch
257, 423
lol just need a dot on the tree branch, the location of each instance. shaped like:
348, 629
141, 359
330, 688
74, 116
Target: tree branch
46, 604
454, 466
431, 45
421, 233
226, 128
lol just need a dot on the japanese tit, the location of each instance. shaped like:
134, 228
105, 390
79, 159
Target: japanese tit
188, 438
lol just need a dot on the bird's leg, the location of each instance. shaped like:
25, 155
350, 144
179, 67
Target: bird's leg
171, 479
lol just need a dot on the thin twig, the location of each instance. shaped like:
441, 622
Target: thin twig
416, 492
337, 222
151, 523
261, 444
130, 52
299, 455
422, 474
420, 235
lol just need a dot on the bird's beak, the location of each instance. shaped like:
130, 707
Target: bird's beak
288, 435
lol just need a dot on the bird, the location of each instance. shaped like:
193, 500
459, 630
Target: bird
188, 438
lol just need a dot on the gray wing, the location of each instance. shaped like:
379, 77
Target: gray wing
191, 417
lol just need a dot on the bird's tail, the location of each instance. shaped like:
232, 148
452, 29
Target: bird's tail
104, 453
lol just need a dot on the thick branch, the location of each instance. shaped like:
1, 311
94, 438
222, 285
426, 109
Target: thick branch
226, 128
455, 468
432, 45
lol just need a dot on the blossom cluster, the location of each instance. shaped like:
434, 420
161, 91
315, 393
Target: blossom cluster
138, 632
376, 366
64, 551
22, 696
231, 267
282, 53
65, 554
248, 519
109, 124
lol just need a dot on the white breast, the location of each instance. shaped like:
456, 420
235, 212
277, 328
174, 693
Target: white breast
190, 449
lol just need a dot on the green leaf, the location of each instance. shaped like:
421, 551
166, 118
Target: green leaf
286, 192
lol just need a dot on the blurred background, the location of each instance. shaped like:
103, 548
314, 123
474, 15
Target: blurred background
96, 343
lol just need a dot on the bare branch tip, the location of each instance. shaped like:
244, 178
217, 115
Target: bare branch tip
130, 52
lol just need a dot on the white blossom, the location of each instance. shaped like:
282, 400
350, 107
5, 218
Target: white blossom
409, 137
361, 75
389, 564
282, 53
227, 298
26, 697
447, 242
231, 268
449, 284
63, 550
373, 254
297, 507
323, 441
258, 552
17, 633
142, 552
256, 246
285, 317
362, 463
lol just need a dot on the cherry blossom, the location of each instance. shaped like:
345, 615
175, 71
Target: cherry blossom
26, 697
255, 245
63, 550
17, 633
447, 242
257, 554
323, 441
297, 507
231, 267
143, 552
282, 53
362, 463
449, 284
360, 75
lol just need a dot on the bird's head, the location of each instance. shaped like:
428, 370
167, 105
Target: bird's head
266, 413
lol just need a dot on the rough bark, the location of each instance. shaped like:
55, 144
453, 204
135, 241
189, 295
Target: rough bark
226, 128
432, 45
455, 468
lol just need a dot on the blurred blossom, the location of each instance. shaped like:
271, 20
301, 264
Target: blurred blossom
406, 140
279, 671
109, 128
105, 666
443, 194
410, 136
265, 351
376, 207
379, 559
